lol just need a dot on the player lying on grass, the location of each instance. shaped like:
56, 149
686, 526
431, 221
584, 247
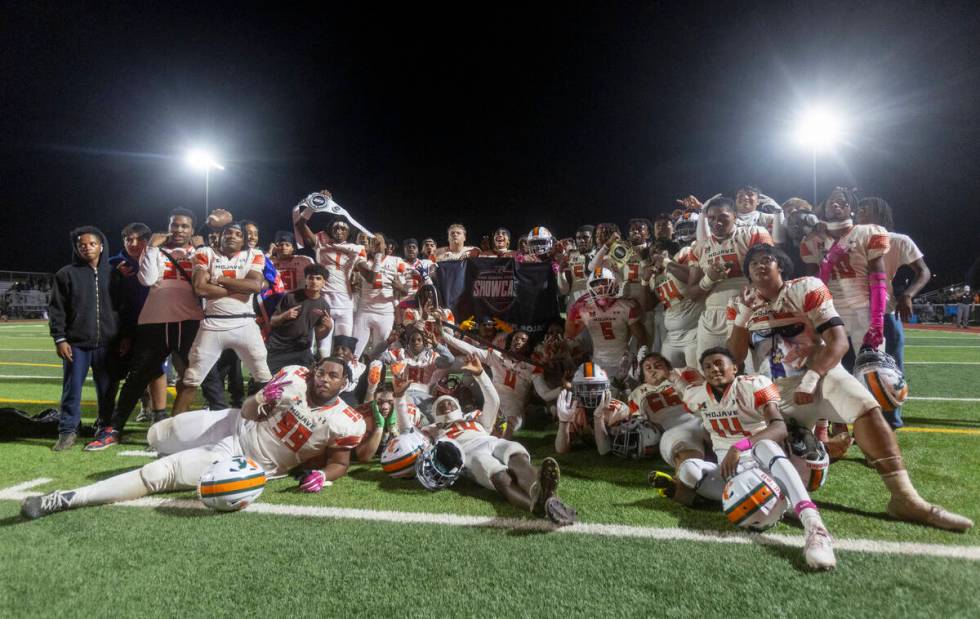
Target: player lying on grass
798, 339
741, 413
297, 419
494, 463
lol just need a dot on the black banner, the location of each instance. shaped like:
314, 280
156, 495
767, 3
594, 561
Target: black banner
523, 294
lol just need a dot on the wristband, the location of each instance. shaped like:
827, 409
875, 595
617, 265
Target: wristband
706, 283
743, 445
809, 382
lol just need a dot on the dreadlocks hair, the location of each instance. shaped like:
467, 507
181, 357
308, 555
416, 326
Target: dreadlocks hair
881, 211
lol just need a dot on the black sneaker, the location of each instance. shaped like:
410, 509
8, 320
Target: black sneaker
559, 513
548, 477
34, 507
64, 441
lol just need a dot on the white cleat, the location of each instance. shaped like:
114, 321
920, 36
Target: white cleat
818, 551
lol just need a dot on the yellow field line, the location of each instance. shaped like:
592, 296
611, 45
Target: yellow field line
939, 430
33, 365
6, 401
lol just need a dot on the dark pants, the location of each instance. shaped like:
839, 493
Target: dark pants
152, 345
277, 360
75, 372
213, 386
895, 346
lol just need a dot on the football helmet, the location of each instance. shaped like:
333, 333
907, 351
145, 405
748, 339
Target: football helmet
231, 484
446, 410
589, 384
752, 499
540, 241
402, 452
880, 374
637, 437
686, 227
808, 456
440, 465
603, 284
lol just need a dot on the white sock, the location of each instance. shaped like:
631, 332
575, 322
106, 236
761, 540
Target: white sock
119, 488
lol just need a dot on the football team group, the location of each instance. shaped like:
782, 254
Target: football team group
748, 344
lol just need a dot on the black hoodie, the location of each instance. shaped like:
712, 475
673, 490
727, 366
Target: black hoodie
81, 310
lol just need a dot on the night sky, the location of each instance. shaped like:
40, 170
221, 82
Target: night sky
486, 113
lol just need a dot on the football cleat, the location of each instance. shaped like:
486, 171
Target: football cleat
559, 513
544, 489
106, 438
925, 513
818, 549
34, 507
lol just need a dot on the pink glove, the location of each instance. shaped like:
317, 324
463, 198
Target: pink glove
272, 391
313, 482
837, 251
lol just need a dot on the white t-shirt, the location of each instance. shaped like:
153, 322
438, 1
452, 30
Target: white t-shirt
901, 251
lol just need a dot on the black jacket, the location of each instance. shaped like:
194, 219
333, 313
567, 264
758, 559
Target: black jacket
81, 309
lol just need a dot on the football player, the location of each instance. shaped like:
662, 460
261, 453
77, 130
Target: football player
422, 355
747, 202
227, 280
680, 314
798, 339
574, 276
296, 420
715, 273
376, 305
609, 320
419, 269
500, 247
494, 463
588, 412
457, 248
289, 264
741, 413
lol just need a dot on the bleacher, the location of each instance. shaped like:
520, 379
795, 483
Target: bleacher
25, 303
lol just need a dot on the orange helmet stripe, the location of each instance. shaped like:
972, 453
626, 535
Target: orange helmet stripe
589, 373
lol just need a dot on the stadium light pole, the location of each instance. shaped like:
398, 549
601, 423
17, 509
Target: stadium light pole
202, 160
819, 130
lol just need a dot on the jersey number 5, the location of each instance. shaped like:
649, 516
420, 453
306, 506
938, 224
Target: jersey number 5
607, 329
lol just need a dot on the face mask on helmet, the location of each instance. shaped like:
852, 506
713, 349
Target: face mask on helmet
440, 465
540, 241
603, 284
635, 438
589, 384
808, 456
879, 372
752, 500
446, 409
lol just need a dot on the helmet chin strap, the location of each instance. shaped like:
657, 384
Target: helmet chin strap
833, 226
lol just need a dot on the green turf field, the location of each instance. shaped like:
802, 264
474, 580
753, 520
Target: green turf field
370, 545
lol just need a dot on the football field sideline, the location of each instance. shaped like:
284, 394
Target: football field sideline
21, 491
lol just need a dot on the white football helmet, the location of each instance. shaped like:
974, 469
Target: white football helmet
880, 374
752, 499
603, 284
686, 227
589, 384
231, 484
637, 437
440, 465
540, 241
402, 452
808, 456
446, 410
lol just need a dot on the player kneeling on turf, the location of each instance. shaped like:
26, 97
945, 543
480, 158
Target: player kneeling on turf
297, 419
742, 415
494, 463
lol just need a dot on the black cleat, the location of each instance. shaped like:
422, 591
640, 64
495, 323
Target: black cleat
548, 477
559, 513
34, 507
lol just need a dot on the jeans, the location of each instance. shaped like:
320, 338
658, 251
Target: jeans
895, 346
75, 372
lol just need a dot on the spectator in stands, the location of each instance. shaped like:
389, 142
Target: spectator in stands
83, 324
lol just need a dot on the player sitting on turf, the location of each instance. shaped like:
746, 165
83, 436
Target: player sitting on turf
799, 339
741, 413
589, 412
297, 419
494, 463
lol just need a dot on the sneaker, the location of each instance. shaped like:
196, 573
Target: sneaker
106, 438
925, 513
545, 487
64, 441
160, 416
34, 507
818, 551
559, 513
669, 488
145, 415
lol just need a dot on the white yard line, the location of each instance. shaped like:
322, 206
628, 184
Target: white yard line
932, 399
942, 362
970, 553
138, 454
967, 346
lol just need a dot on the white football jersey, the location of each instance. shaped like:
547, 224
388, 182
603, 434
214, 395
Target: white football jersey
291, 432
513, 380
578, 269
412, 315
849, 278
418, 273
680, 313
784, 331
339, 263
291, 271
630, 276
378, 296
420, 367
235, 304
468, 432
737, 414
608, 327
732, 251
661, 404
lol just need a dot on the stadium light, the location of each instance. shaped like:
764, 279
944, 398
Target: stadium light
202, 160
819, 130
